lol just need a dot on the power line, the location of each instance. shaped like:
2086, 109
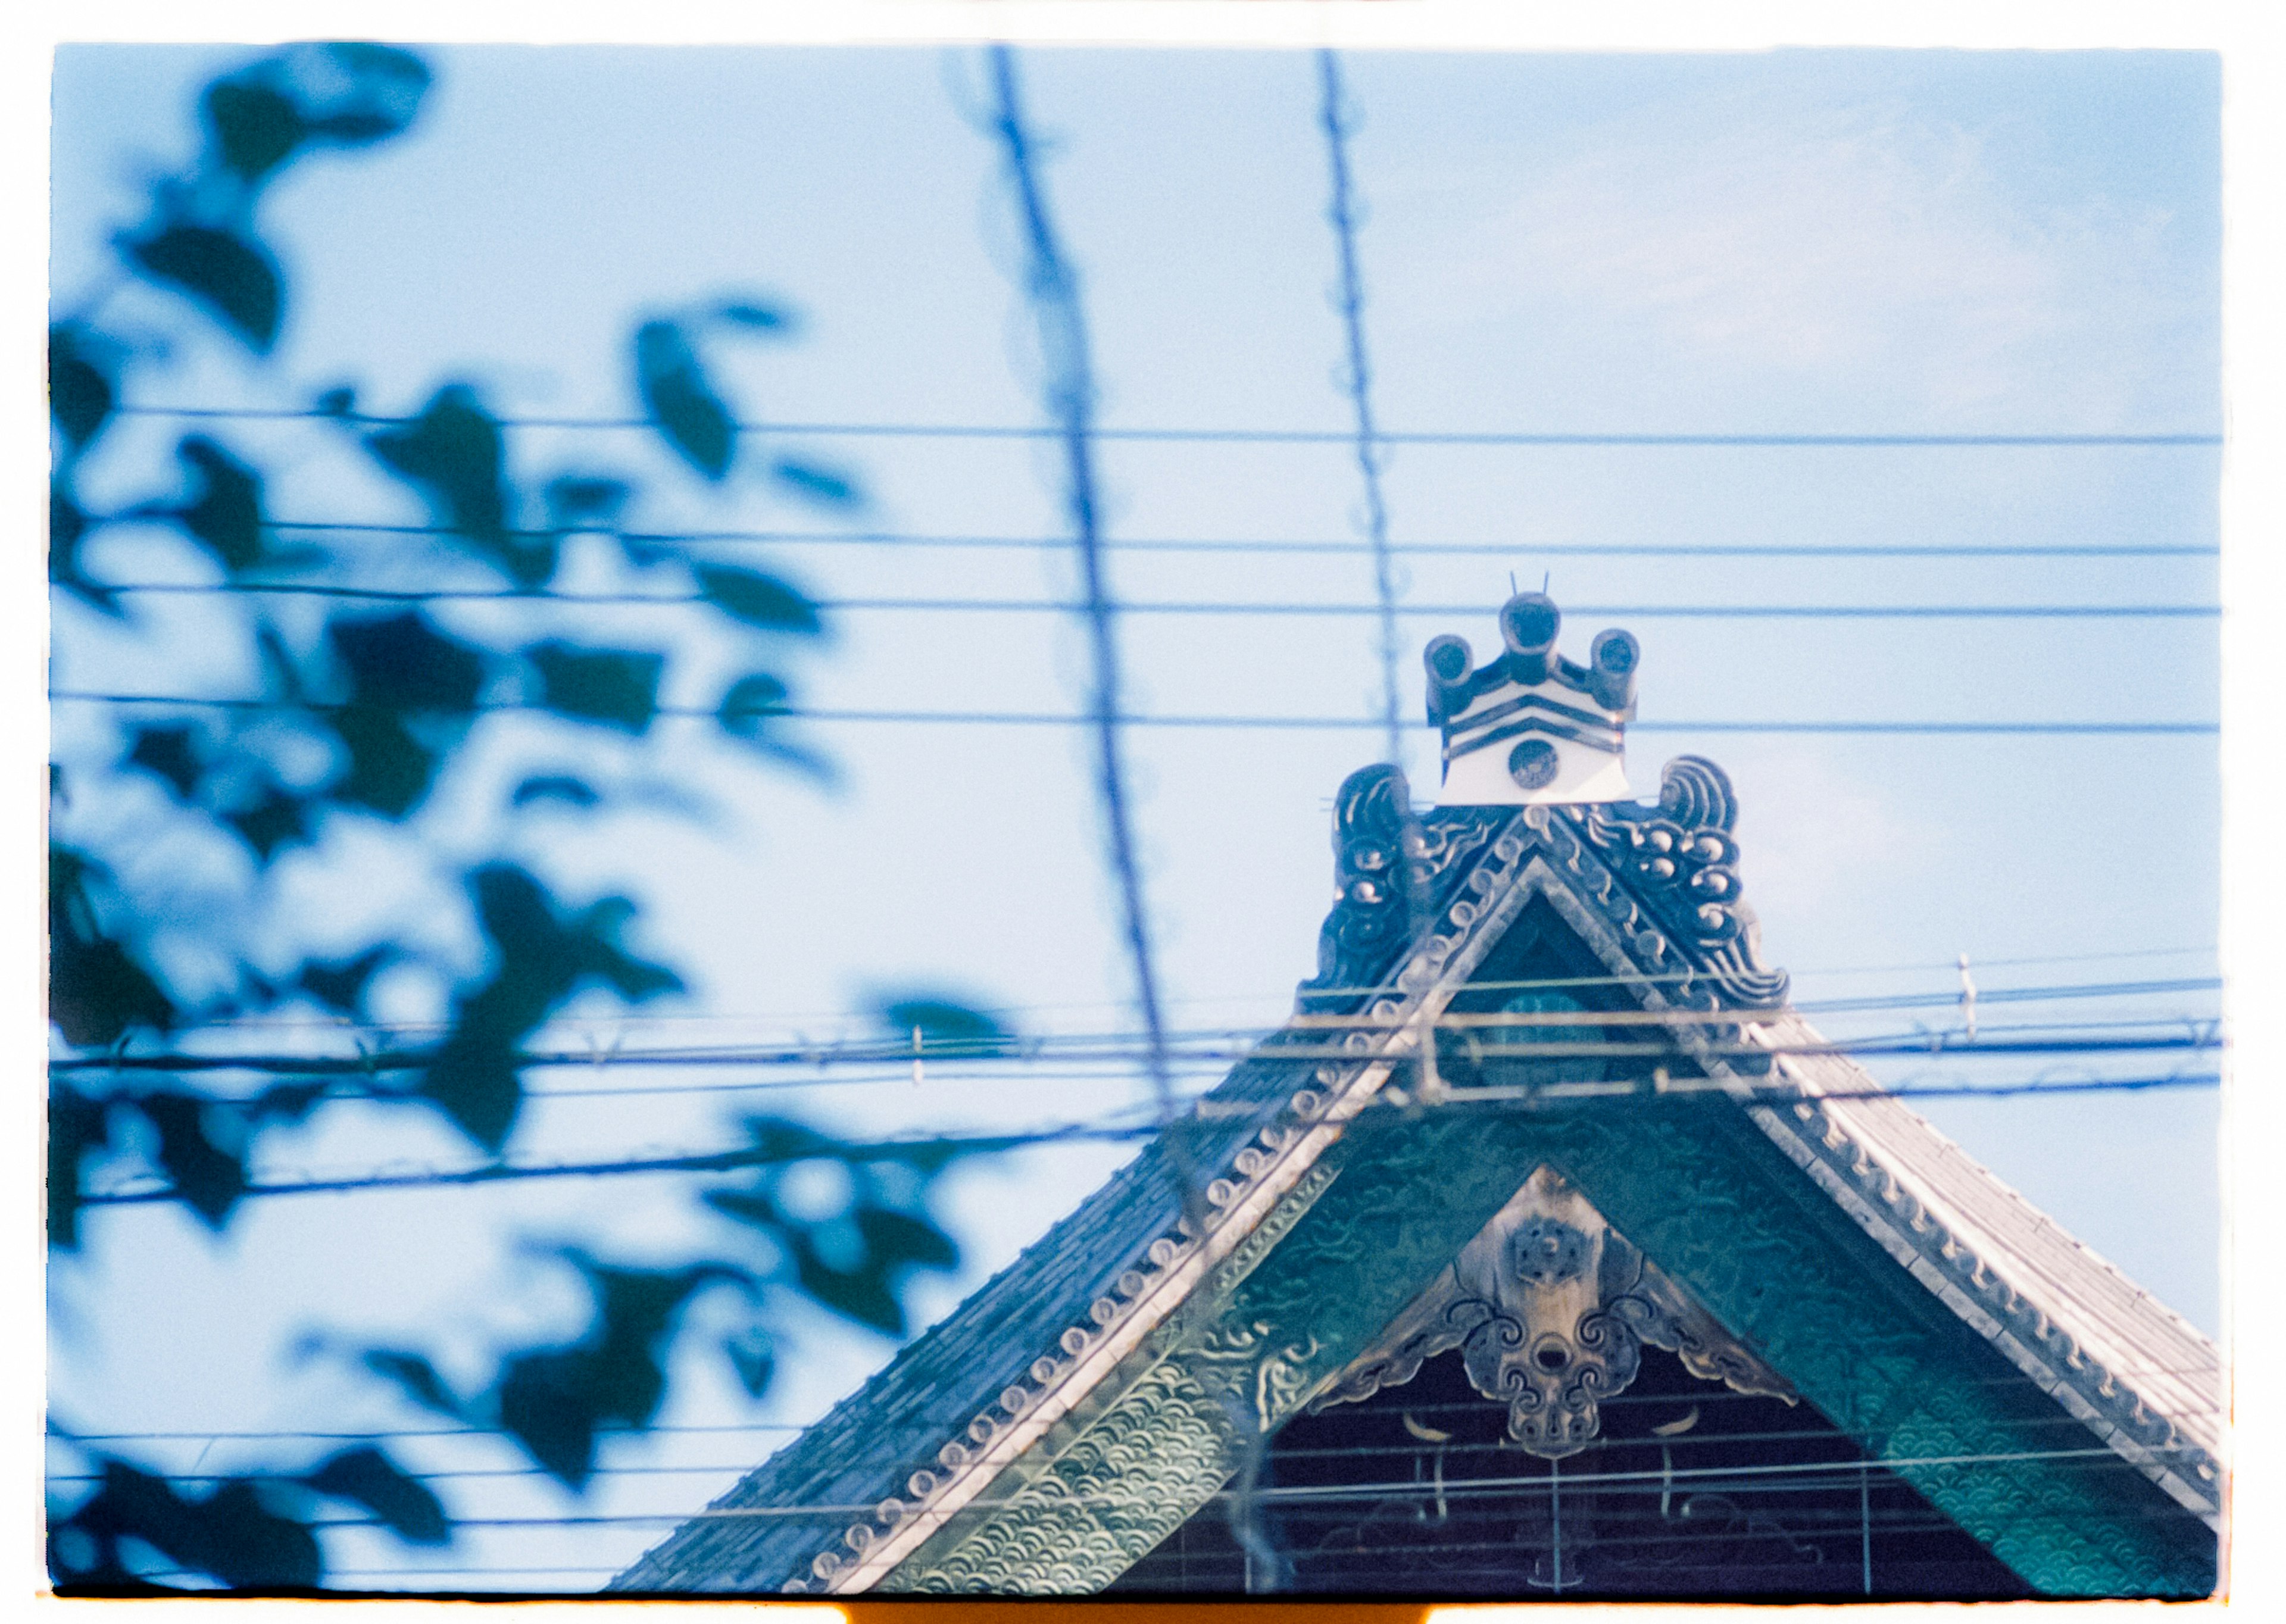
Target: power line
1215, 1043
743, 1157
788, 1019
1264, 436
1051, 290
1459, 550
1350, 305
1058, 719
1386, 611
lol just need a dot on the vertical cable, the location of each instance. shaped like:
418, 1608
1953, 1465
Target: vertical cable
1341, 214
1052, 291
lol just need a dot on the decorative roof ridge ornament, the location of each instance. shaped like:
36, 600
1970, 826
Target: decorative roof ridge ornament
1532, 726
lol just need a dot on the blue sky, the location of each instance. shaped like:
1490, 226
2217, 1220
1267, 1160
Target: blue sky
1940, 242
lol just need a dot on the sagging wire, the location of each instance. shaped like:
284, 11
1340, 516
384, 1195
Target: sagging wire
1172, 1134
1051, 290
1267, 436
1213, 719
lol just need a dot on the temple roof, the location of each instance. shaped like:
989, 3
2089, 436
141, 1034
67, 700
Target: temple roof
1833, 1234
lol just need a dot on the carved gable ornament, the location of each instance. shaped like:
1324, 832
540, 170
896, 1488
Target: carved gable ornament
1550, 1307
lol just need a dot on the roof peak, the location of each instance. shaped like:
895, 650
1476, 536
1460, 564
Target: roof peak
1531, 726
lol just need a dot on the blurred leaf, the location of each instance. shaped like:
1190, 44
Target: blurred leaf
168, 752
209, 1178
340, 986
747, 1207
750, 702
814, 484
753, 314
577, 499
614, 686
752, 1356
96, 990
896, 1240
254, 128
388, 84
572, 791
404, 1505
68, 527
402, 663
76, 1125
418, 1377
390, 770
81, 393
235, 279
224, 511
285, 1102
943, 1023
230, 1536
682, 405
864, 1293
555, 1400
278, 819
757, 599
538, 962
455, 454
545, 1406
339, 401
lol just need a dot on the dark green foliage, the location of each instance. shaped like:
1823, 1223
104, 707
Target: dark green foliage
404, 1505
340, 986
753, 1356
390, 770
254, 127
277, 820
96, 989
399, 695
616, 687
852, 1260
232, 277
539, 959
231, 1535
815, 483
76, 1125
170, 752
209, 1178
751, 313
404, 663
554, 1401
945, 1025
224, 511
582, 498
682, 402
346, 94
81, 393
418, 1377
454, 454
757, 599
68, 526
751, 701
396, 666
571, 792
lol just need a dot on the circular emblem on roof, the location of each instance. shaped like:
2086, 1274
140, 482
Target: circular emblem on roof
1546, 1252
1533, 764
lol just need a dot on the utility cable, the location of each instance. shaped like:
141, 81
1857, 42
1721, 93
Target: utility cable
1171, 1132
1057, 718
1051, 290
1264, 436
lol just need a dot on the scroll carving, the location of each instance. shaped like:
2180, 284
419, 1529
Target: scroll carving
1550, 1308
1680, 859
